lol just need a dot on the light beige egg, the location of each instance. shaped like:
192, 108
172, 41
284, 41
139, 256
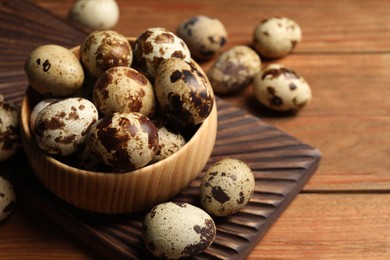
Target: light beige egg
183, 92
9, 129
226, 187
276, 37
169, 143
205, 36
102, 50
174, 230
234, 70
155, 45
62, 127
123, 89
54, 71
7, 198
37, 109
281, 89
125, 141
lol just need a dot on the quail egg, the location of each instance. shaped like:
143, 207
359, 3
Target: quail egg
276, 37
155, 45
102, 50
226, 187
37, 108
183, 92
62, 127
7, 198
9, 129
174, 230
125, 141
205, 36
234, 70
281, 88
54, 71
169, 142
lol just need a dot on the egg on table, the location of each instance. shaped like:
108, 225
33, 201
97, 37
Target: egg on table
226, 187
155, 45
7, 198
54, 71
174, 230
62, 127
205, 36
282, 89
9, 129
123, 89
102, 50
183, 92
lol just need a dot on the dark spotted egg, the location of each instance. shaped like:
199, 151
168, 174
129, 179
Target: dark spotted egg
62, 127
155, 45
282, 89
183, 92
226, 187
174, 230
123, 89
7, 198
125, 141
9, 129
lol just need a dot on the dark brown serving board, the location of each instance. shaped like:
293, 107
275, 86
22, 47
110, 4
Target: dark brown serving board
281, 163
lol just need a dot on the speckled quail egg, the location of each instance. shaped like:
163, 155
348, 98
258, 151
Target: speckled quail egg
123, 89
9, 129
183, 92
226, 187
169, 143
37, 108
7, 198
276, 37
54, 71
281, 88
234, 70
174, 230
62, 127
102, 50
126, 141
205, 36
95, 14
155, 45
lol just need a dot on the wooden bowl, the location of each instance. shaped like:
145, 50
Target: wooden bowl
107, 192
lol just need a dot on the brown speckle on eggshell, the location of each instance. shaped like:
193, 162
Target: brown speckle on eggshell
9, 129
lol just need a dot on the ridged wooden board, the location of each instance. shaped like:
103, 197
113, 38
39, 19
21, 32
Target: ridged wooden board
281, 163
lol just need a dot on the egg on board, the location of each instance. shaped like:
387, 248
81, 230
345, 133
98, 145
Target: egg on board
102, 50
54, 71
9, 129
7, 198
276, 37
205, 36
234, 70
125, 141
183, 92
95, 14
282, 89
123, 89
155, 45
226, 187
174, 230
62, 127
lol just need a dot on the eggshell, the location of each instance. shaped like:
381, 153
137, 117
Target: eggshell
175, 230
169, 143
102, 50
9, 129
155, 45
62, 127
123, 89
281, 88
38, 108
126, 141
95, 14
234, 70
7, 198
226, 187
205, 36
276, 37
54, 71
183, 92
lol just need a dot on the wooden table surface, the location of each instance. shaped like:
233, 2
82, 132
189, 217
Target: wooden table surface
343, 212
